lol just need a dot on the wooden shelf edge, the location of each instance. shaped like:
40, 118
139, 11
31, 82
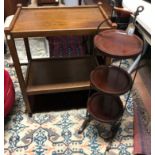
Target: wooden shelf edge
67, 32
55, 88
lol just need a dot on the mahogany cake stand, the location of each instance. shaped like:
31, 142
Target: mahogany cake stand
111, 81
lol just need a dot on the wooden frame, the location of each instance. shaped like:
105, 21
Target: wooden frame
34, 22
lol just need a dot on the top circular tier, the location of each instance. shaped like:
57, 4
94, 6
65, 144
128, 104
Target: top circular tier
117, 43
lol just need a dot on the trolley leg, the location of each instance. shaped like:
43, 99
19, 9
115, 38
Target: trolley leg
30, 114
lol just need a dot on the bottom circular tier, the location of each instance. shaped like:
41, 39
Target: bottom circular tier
105, 108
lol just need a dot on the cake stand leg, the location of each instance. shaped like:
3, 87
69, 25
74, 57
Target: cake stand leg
85, 123
114, 130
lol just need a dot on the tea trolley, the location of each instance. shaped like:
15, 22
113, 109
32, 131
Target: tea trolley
54, 75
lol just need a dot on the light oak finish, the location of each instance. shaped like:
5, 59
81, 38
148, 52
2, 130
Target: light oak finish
50, 75
59, 21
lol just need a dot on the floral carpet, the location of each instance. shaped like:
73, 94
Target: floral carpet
55, 133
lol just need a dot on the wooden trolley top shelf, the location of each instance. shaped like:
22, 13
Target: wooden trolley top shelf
46, 21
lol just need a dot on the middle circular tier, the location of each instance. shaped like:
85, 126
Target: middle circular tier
111, 80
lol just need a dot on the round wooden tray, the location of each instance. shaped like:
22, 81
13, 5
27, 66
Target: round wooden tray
117, 43
105, 108
110, 80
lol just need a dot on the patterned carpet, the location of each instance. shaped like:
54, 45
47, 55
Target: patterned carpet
55, 133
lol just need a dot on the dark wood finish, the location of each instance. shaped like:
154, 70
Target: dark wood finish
60, 75
27, 73
118, 44
111, 80
59, 21
9, 7
105, 108
27, 48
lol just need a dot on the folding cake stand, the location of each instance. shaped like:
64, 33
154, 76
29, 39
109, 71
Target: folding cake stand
111, 81
54, 75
